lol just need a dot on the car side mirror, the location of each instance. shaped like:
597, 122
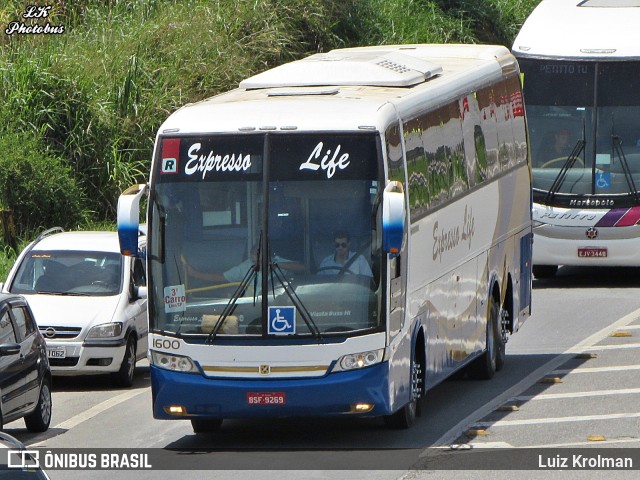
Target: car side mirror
140, 292
8, 349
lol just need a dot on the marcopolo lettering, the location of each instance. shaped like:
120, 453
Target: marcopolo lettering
205, 163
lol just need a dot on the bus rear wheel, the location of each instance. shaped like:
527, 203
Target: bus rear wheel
485, 366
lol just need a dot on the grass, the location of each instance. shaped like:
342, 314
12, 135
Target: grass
82, 108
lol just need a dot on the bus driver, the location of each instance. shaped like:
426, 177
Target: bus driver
344, 260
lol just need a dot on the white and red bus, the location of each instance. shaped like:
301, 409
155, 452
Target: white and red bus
580, 64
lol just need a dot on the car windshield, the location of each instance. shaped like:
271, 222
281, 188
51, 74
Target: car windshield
69, 273
322, 256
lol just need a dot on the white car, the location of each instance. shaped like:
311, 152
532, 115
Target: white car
89, 301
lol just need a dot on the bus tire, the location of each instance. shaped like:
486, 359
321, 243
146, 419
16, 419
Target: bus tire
406, 416
206, 425
485, 366
544, 271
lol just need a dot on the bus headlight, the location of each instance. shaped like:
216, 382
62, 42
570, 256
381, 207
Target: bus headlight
359, 360
175, 363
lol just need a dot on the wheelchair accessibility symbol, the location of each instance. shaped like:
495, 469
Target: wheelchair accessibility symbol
603, 180
282, 320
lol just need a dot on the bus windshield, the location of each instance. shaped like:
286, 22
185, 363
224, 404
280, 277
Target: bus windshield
208, 212
584, 125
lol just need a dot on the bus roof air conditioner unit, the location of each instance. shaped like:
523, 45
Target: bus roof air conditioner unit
392, 69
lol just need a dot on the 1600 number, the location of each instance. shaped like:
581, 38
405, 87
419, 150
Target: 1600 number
166, 344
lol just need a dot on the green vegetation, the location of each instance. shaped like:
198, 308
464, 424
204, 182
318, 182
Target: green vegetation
79, 110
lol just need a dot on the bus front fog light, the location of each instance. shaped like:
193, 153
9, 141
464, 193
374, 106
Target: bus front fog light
361, 407
175, 410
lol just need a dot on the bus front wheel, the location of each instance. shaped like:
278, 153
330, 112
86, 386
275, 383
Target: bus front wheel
406, 416
544, 271
206, 425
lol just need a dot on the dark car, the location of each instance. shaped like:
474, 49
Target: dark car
25, 377
16, 462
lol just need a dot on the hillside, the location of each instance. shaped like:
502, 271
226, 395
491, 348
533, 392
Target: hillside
85, 84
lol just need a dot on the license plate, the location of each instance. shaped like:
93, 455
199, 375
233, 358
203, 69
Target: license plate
592, 252
266, 398
59, 352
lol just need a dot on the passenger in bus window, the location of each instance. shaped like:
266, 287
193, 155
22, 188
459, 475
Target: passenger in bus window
237, 273
343, 259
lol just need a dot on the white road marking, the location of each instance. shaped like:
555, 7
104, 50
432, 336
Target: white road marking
619, 368
96, 410
539, 421
611, 347
595, 393
553, 445
530, 379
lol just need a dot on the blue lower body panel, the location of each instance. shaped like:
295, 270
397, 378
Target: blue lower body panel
332, 394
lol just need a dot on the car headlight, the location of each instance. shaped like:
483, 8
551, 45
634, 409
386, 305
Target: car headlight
107, 330
359, 360
173, 362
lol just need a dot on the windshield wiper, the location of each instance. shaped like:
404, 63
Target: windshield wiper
274, 268
562, 174
63, 294
617, 147
231, 304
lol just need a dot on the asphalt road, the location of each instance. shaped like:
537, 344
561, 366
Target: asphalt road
567, 383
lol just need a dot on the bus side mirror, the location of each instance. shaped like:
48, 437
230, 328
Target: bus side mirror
393, 218
129, 219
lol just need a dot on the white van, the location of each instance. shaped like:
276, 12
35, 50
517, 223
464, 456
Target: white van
89, 302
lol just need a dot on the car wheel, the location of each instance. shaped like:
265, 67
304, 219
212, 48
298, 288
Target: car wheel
206, 425
40, 418
124, 376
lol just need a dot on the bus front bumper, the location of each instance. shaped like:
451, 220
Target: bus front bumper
611, 247
196, 396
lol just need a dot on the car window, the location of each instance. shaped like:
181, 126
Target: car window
70, 272
139, 275
7, 335
25, 324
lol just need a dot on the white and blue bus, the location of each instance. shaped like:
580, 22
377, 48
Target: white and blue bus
412, 158
580, 62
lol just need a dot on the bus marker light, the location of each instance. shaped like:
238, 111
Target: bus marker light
596, 438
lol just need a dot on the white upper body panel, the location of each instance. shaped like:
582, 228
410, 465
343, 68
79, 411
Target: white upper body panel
593, 29
344, 90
